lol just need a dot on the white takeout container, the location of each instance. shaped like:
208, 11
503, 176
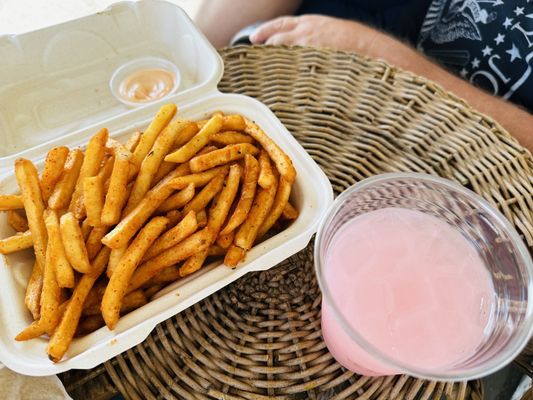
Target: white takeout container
54, 91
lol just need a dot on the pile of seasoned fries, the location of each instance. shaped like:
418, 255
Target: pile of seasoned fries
147, 212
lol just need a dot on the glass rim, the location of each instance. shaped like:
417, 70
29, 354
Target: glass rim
487, 368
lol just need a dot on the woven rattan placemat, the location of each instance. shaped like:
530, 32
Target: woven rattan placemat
260, 337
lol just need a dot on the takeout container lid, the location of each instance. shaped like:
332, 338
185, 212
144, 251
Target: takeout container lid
54, 91
54, 82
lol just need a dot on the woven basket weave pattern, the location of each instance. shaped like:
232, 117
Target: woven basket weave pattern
260, 337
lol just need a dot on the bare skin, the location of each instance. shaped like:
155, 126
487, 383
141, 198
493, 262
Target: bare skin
340, 34
219, 20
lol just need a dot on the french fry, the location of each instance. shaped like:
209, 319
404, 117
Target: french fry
199, 179
280, 201
232, 122
178, 200
215, 251
152, 161
28, 182
74, 243
164, 169
225, 240
186, 134
183, 137
289, 212
201, 217
133, 141
93, 243
55, 251
94, 155
112, 145
153, 290
207, 149
17, 242
129, 188
195, 243
130, 302
86, 229
217, 216
53, 169
221, 206
193, 146
116, 146
222, 156
115, 198
202, 199
234, 256
231, 137
114, 259
282, 160
17, 221
37, 328
247, 233
118, 283
62, 336
10, 202
186, 227
169, 274
174, 216
105, 171
32, 298
89, 324
131, 223
193, 263
32, 331
63, 307
50, 297
93, 195
160, 121
63, 190
251, 173
266, 176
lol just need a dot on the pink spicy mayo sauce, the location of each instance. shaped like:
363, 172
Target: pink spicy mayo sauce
146, 85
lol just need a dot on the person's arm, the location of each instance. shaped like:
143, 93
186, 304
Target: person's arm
321, 31
219, 20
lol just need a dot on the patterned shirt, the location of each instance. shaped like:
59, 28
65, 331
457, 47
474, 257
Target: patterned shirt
488, 42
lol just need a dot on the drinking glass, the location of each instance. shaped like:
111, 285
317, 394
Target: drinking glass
499, 246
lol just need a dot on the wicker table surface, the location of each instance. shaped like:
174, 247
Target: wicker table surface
260, 337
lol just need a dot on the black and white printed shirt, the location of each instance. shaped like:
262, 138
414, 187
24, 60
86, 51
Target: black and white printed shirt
488, 42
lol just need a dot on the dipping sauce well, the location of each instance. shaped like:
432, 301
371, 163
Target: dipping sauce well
144, 80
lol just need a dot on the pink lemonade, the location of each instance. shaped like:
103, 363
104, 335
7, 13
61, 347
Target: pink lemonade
409, 284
